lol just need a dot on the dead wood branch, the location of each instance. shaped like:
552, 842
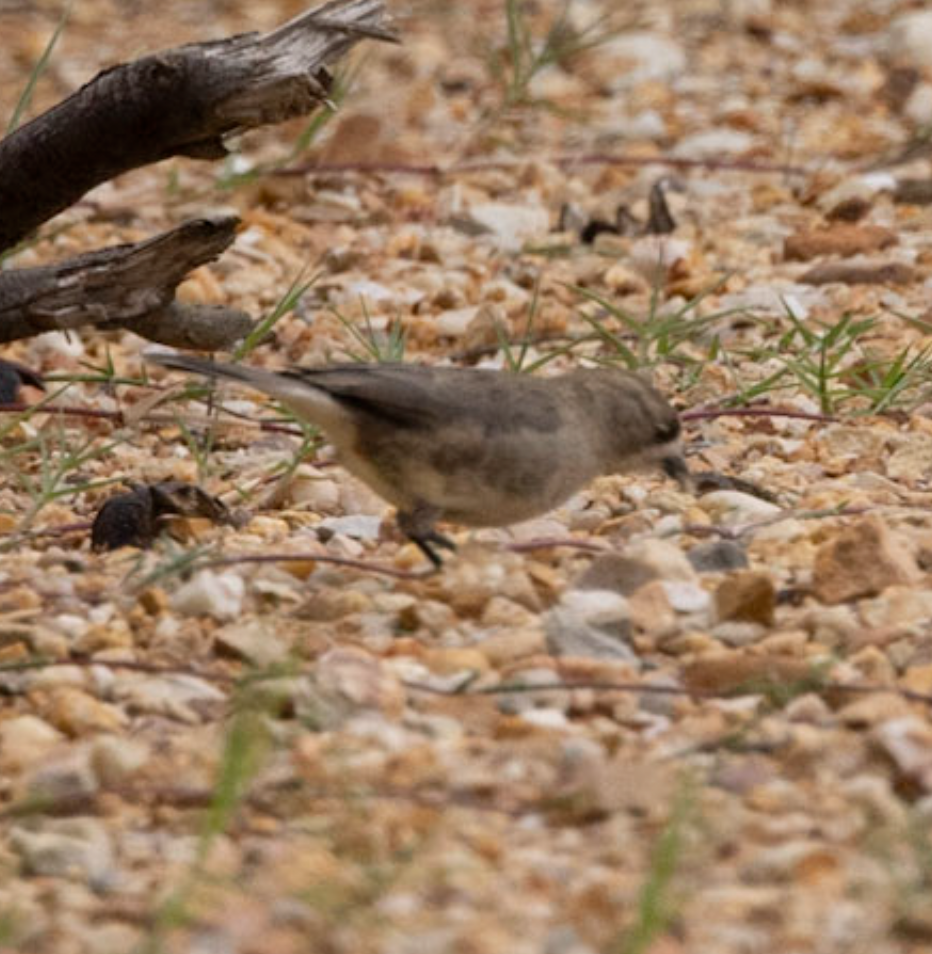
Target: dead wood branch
180, 102
127, 286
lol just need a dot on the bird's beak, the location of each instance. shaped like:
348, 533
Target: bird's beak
674, 465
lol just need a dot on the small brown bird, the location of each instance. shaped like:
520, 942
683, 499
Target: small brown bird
477, 447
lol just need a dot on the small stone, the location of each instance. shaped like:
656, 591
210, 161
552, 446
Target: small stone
793, 861
749, 596
508, 646
211, 594
357, 526
841, 238
317, 494
77, 713
873, 710
918, 679
909, 39
738, 633
651, 611
255, 640
717, 556
624, 281
881, 273
447, 660
511, 225
25, 740
842, 444
544, 718
115, 759
862, 560
686, 597
455, 322
330, 603
714, 143
643, 55
728, 671
63, 781
912, 460
347, 682
75, 848
732, 507
590, 623
641, 562
855, 193
918, 108
180, 697
907, 740
654, 256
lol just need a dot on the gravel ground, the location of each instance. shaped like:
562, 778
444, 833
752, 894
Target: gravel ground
649, 722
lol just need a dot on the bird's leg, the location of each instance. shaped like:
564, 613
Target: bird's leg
418, 526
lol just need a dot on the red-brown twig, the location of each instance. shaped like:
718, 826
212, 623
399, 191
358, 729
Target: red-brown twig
119, 419
702, 414
363, 565
549, 543
595, 685
564, 161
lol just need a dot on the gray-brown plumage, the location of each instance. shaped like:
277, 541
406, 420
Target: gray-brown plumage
482, 448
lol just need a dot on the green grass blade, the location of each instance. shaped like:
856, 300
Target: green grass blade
41, 65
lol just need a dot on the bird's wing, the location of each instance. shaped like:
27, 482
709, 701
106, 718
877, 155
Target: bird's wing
407, 395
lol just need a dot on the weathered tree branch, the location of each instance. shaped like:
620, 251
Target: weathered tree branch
180, 102
127, 286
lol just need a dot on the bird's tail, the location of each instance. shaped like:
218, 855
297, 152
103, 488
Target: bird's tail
268, 381
305, 400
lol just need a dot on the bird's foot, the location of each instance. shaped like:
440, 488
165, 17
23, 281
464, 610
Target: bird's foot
426, 543
418, 527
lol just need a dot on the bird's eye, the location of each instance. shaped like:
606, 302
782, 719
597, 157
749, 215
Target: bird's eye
667, 431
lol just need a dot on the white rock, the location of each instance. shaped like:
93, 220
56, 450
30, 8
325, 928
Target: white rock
358, 526
738, 632
909, 39
211, 594
455, 322
908, 742
653, 255
76, 848
590, 623
731, 507
254, 640
546, 718
667, 561
866, 187
511, 225
177, 696
371, 292
647, 124
775, 299
516, 703
115, 759
713, 144
58, 343
65, 779
319, 494
686, 597
646, 56
918, 108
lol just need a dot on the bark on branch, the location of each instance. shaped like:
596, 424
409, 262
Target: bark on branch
182, 101
127, 286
